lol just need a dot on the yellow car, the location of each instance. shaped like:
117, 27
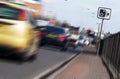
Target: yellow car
17, 32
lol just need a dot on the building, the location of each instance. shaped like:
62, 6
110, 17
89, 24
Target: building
38, 7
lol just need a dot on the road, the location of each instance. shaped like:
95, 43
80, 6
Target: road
47, 58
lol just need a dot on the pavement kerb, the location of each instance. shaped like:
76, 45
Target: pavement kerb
54, 68
60, 70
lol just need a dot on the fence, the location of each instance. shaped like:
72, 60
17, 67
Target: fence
110, 53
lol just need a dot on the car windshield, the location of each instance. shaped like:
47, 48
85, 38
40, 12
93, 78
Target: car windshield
9, 12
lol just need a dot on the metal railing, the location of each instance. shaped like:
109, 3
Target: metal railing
110, 52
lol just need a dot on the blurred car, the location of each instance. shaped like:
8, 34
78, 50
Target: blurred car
17, 34
94, 41
42, 21
73, 38
83, 40
53, 35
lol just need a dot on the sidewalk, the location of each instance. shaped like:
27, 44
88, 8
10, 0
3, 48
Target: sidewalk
86, 66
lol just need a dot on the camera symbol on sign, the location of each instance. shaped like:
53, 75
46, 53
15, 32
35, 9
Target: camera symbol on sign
102, 13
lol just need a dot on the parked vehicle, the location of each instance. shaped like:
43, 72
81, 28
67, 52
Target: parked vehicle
53, 35
17, 34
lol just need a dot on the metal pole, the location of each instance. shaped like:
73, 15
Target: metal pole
98, 34
101, 28
100, 37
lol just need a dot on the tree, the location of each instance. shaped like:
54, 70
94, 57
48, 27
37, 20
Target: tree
65, 24
58, 23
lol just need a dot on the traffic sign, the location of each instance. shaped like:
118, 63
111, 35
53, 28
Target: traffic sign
104, 13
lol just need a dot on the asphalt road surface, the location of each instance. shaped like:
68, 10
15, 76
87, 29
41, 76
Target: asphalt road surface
11, 68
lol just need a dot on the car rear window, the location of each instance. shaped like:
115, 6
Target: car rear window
9, 12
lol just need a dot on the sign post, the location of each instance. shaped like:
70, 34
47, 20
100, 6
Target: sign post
104, 14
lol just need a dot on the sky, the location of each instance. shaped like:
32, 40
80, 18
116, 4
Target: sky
83, 13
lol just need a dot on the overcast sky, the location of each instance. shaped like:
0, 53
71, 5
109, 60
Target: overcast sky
83, 13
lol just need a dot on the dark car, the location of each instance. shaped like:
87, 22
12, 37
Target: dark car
53, 35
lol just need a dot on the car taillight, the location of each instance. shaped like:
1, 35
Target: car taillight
42, 33
22, 15
61, 37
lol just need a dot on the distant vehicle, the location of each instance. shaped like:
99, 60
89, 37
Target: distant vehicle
42, 21
17, 34
74, 37
83, 40
53, 35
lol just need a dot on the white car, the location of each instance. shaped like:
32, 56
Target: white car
83, 40
86, 42
73, 40
42, 21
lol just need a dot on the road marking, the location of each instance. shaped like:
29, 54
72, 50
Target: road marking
52, 68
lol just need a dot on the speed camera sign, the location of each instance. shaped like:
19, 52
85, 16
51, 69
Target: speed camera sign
104, 13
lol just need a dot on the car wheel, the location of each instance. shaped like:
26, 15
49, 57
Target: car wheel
42, 43
31, 51
33, 57
65, 46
